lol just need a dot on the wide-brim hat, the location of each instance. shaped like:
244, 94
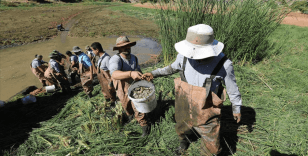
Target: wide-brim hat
199, 43
123, 41
76, 49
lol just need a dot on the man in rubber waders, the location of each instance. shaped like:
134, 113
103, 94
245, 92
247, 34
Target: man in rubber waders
199, 93
85, 71
61, 59
38, 69
124, 69
91, 55
103, 74
73, 59
56, 74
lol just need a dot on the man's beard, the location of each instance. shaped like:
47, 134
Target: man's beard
127, 54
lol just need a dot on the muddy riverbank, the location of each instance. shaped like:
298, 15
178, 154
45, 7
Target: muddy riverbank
15, 62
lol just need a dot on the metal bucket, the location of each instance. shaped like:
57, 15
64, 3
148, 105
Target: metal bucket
28, 99
147, 104
50, 89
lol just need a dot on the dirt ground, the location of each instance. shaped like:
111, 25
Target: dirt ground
32, 24
104, 22
293, 18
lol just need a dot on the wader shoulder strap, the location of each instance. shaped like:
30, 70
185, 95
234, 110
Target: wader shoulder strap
81, 65
121, 61
136, 63
183, 69
208, 81
99, 66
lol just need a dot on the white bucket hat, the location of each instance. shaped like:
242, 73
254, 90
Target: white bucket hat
199, 43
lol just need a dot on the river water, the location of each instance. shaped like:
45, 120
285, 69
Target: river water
15, 73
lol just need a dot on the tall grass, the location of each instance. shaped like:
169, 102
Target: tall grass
243, 26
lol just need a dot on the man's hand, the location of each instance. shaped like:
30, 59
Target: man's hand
237, 117
147, 76
136, 75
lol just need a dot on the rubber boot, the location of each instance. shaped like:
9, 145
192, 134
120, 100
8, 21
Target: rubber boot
146, 130
182, 148
90, 95
112, 104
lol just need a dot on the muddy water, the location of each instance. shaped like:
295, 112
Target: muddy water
15, 73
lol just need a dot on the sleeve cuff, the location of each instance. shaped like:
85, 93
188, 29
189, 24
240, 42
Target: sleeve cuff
155, 73
236, 109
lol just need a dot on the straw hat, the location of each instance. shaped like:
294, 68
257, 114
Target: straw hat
76, 49
123, 41
199, 43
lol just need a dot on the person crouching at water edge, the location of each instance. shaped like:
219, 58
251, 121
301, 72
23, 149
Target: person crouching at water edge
199, 94
73, 59
85, 71
38, 69
56, 74
103, 74
124, 69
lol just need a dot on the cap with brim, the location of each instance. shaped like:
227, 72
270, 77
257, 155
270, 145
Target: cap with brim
123, 41
87, 47
76, 49
199, 43
53, 55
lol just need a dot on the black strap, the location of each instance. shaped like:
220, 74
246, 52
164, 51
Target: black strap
122, 62
183, 69
99, 66
208, 81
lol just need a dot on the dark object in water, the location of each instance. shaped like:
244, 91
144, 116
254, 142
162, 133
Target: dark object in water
141, 92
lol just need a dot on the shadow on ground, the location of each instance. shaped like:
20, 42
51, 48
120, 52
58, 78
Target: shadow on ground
276, 153
229, 127
17, 119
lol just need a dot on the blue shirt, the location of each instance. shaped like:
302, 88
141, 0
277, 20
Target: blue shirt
85, 60
55, 65
115, 63
196, 73
74, 58
103, 62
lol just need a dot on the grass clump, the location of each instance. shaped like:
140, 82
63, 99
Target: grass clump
274, 121
243, 27
302, 6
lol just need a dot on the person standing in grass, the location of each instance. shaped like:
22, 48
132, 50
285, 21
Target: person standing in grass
85, 71
103, 74
199, 93
56, 74
74, 66
91, 55
38, 69
124, 69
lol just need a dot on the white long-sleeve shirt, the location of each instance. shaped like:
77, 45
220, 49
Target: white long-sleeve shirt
196, 73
